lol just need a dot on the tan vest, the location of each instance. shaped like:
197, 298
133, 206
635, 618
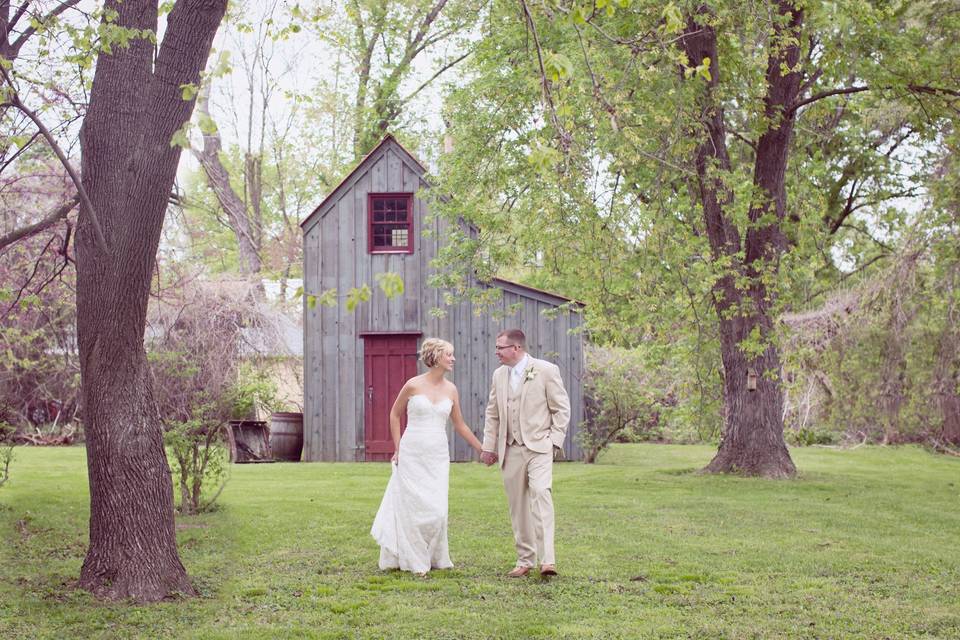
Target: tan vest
513, 414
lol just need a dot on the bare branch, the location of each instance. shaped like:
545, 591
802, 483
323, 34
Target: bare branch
14, 99
443, 69
54, 216
912, 88
825, 94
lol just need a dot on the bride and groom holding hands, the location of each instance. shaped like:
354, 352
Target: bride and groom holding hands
525, 423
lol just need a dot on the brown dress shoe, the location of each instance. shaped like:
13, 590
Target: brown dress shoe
518, 572
548, 570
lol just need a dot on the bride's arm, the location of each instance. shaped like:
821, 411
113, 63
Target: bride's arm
396, 412
457, 418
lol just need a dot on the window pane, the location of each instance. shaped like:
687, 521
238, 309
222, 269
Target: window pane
390, 224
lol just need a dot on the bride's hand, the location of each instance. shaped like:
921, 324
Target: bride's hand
395, 458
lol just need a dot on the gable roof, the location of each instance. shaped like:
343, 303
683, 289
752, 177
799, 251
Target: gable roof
526, 291
387, 141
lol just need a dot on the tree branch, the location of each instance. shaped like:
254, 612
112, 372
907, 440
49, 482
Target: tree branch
57, 214
445, 68
913, 88
14, 99
19, 151
825, 94
545, 83
60, 8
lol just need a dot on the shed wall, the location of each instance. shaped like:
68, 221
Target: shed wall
336, 257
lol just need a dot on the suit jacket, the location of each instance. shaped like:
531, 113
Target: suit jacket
544, 409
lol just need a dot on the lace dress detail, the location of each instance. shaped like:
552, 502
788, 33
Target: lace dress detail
411, 524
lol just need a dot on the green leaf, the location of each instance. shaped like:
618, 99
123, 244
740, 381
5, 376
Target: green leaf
189, 91
673, 18
578, 16
391, 284
181, 137
356, 296
558, 66
328, 298
206, 124
544, 157
704, 70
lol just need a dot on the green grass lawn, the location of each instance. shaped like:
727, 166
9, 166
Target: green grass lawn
864, 544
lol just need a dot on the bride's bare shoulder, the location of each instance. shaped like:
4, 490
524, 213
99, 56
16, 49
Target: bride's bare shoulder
413, 385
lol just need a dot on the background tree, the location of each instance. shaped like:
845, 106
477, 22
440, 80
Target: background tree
271, 147
648, 157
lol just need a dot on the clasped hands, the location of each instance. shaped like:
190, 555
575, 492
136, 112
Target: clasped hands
489, 457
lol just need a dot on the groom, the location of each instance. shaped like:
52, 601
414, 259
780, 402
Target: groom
526, 421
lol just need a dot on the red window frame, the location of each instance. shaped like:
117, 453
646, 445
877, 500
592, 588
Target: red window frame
373, 226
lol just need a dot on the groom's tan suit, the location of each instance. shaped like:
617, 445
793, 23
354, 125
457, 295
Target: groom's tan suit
525, 419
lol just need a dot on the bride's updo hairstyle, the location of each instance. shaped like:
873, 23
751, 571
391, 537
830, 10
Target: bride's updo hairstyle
432, 349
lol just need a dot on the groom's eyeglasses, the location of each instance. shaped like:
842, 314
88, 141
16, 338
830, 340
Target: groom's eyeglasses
506, 346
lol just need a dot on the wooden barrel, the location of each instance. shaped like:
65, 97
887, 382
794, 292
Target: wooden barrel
286, 436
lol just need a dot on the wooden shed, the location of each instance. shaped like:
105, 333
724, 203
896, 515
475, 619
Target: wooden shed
356, 361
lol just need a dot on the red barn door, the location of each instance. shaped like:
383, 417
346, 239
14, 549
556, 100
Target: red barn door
388, 362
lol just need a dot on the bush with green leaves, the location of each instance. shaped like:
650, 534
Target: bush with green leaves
623, 396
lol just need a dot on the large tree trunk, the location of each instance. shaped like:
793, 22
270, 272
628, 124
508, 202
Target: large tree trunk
128, 172
753, 442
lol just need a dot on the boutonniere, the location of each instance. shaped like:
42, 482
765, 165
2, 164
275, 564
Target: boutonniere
529, 374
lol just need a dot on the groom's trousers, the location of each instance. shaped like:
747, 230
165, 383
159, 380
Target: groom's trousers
528, 479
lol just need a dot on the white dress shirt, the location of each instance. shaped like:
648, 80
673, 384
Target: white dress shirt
516, 372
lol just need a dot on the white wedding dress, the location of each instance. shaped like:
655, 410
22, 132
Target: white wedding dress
411, 524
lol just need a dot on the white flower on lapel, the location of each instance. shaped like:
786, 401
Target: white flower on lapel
529, 374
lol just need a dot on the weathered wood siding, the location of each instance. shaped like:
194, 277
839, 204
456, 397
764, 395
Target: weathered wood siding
336, 257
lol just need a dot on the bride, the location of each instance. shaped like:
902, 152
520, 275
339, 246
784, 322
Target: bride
411, 524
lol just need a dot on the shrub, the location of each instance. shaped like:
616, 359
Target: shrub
806, 436
6, 451
623, 399
40, 370
202, 379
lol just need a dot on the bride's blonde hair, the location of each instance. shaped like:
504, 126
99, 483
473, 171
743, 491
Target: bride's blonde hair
432, 349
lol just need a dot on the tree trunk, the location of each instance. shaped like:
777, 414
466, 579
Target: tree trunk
947, 371
893, 376
218, 179
753, 442
128, 171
